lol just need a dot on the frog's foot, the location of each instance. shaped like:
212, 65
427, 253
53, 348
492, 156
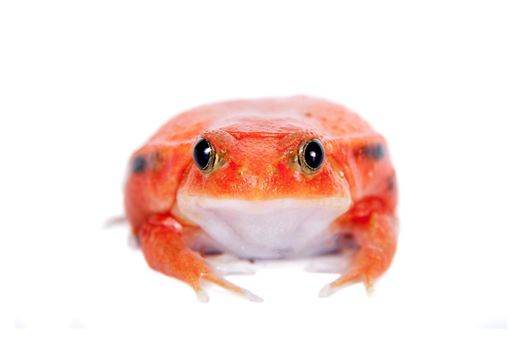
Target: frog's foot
166, 252
373, 257
348, 279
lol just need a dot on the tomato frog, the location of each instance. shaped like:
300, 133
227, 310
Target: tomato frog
276, 178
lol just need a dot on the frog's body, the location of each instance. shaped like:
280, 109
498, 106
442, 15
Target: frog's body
267, 229
257, 200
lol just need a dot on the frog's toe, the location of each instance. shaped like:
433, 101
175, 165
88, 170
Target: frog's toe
346, 280
252, 297
327, 290
330, 289
202, 296
217, 280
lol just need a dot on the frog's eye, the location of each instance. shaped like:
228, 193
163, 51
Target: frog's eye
204, 155
311, 156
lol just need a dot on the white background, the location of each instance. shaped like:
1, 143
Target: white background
83, 84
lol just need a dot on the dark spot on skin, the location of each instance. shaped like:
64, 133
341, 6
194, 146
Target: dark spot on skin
391, 183
146, 162
139, 164
374, 151
307, 114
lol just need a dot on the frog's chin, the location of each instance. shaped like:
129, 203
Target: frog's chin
265, 229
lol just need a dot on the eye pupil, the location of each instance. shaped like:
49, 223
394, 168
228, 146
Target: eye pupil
313, 155
203, 154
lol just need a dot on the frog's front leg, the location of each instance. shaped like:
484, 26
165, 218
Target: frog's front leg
376, 236
165, 251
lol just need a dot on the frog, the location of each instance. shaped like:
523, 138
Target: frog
264, 179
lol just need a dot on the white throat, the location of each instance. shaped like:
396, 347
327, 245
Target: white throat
265, 229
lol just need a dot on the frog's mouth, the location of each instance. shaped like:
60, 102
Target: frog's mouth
266, 229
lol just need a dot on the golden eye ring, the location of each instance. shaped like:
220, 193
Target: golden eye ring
204, 155
311, 156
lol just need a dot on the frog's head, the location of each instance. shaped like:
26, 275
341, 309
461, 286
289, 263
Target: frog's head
248, 179
248, 165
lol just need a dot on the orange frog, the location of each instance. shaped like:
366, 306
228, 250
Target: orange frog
275, 178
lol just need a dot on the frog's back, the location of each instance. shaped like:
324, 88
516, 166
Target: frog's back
265, 117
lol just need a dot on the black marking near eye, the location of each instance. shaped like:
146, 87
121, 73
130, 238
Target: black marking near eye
139, 164
374, 151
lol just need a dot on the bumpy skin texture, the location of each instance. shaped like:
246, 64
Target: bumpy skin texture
257, 143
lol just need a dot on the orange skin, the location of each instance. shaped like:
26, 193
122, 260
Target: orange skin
257, 143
